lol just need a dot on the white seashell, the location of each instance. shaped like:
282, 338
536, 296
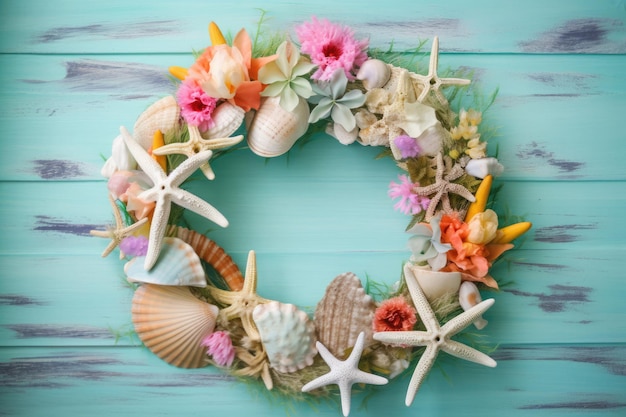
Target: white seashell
469, 296
344, 312
436, 284
273, 130
287, 334
342, 135
482, 167
178, 264
228, 118
162, 115
172, 322
374, 73
121, 159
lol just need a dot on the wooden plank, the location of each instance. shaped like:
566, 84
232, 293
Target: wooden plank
81, 102
69, 26
130, 381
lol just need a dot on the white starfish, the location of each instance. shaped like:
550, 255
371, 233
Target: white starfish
432, 81
344, 373
436, 337
165, 191
196, 144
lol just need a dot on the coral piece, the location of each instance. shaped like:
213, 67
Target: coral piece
287, 334
344, 373
343, 313
178, 264
172, 323
436, 337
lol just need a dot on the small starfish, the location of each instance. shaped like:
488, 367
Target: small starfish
118, 233
241, 303
344, 373
436, 337
166, 190
442, 187
432, 81
196, 144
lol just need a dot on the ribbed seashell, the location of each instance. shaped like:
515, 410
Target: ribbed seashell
178, 264
161, 115
469, 296
273, 130
287, 334
374, 73
172, 322
213, 254
228, 118
344, 312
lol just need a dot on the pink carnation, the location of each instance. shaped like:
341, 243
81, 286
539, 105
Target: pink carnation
393, 315
196, 106
331, 46
410, 203
220, 347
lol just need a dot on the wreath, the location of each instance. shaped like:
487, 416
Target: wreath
193, 307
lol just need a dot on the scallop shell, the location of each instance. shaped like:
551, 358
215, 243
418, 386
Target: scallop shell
287, 334
177, 264
469, 296
162, 115
227, 118
273, 130
172, 322
344, 312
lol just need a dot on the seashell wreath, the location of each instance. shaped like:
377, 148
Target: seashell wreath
332, 81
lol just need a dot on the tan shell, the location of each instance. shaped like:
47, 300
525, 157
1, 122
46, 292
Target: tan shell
162, 115
227, 118
213, 254
344, 312
273, 130
172, 322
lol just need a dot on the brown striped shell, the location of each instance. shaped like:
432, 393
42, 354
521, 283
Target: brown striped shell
344, 312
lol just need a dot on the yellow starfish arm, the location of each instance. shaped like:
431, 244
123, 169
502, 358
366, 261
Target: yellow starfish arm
482, 194
178, 72
157, 142
223, 296
216, 35
508, 233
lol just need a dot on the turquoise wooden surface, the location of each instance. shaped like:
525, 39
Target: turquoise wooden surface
72, 72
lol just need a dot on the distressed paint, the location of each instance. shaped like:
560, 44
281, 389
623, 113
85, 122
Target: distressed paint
50, 224
56, 169
131, 30
561, 297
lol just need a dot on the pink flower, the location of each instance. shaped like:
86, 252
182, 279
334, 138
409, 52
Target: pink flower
196, 106
394, 315
331, 46
407, 145
134, 245
410, 203
220, 347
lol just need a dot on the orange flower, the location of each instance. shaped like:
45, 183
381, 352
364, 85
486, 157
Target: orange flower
393, 315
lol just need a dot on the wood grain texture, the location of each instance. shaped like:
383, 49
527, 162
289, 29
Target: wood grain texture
73, 72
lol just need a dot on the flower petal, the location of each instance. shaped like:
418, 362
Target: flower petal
322, 110
342, 115
301, 87
289, 99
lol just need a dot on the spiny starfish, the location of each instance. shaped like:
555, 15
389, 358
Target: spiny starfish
441, 188
344, 373
240, 304
197, 144
432, 81
166, 190
118, 233
436, 337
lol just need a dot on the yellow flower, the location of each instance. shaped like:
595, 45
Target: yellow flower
475, 148
483, 227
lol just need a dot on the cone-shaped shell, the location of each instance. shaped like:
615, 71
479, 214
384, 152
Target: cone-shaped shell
162, 115
274, 130
227, 118
344, 312
436, 284
172, 322
287, 334
178, 264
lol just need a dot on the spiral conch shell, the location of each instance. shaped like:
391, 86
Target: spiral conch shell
227, 118
172, 322
287, 334
274, 130
162, 115
344, 312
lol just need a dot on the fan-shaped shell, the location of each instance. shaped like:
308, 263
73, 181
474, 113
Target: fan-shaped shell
287, 334
172, 322
178, 264
227, 118
274, 130
162, 115
213, 254
344, 312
